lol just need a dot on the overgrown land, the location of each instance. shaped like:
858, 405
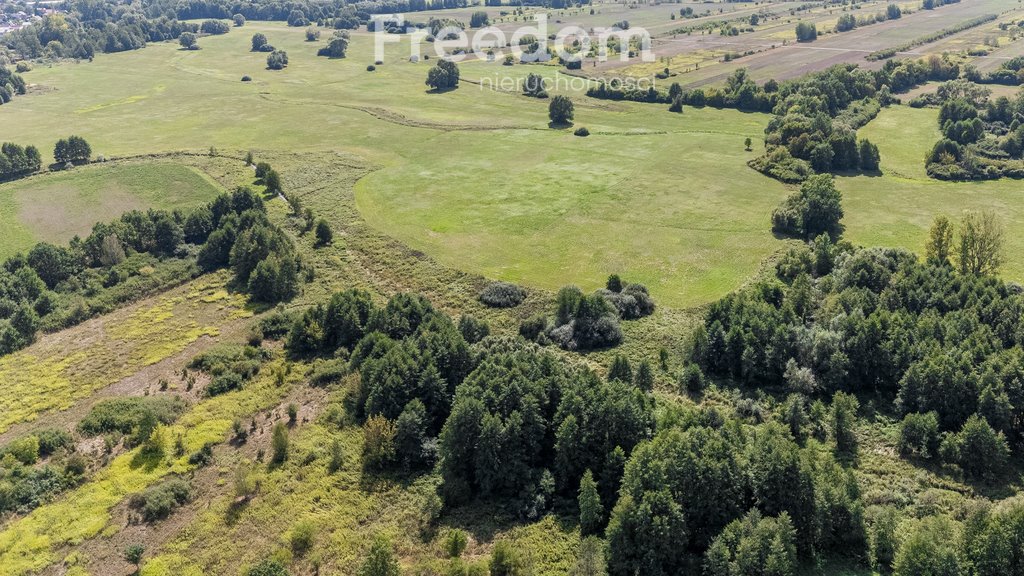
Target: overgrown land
271, 304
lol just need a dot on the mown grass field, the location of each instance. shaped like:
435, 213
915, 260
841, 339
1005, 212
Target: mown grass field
54, 207
473, 177
897, 208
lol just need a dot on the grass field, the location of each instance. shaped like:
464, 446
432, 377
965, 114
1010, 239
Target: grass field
425, 193
54, 207
636, 197
473, 177
897, 208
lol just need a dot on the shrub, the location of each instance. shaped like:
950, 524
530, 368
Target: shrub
581, 131
268, 568
378, 443
214, 27
919, 434
632, 302
328, 372
133, 554
692, 379
371, 68
473, 330
302, 537
381, 560
277, 60
455, 543
502, 295
24, 450
159, 501
532, 328
260, 44
51, 440
336, 48
324, 234
279, 442
505, 560
560, 110
201, 457
246, 78
125, 414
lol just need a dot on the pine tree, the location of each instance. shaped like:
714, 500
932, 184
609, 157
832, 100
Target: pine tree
591, 511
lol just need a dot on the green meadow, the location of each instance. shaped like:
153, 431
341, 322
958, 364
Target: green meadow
897, 208
55, 207
473, 177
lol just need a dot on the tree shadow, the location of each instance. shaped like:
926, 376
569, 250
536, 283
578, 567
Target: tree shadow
559, 125
146, 460
441, 90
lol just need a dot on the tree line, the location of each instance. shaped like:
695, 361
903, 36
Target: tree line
11, 85
52, 287
815, 117
982, 137
90, 28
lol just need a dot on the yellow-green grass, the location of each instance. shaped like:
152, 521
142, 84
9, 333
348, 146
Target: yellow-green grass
897, 208
54, 207
661, 198
68, 366
348, 509
30, 543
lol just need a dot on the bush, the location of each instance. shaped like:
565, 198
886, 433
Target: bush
268, 568
124, 415
584, 322
532, 328
632, 302
473, 330
502, 295
560, 110
455, 543
133, 554
51, 440
279, 442
692, 379
443, 76
806, 32
328, 372
246, 78
302, 538
24, 450
324, 234
581, 131
277, 60
919, 434
214, 27
505, 560
159, 501
371, 68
